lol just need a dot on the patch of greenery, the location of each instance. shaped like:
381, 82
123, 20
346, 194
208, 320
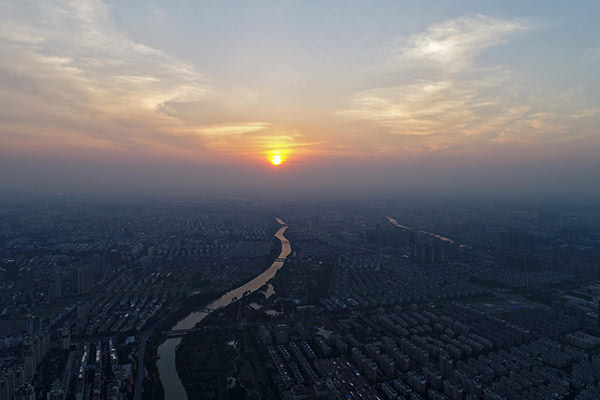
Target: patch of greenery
206, 360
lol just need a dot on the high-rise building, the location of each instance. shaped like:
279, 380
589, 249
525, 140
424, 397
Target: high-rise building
57, 392
114, 259
85, 279
25, 392
34, 324
12, 270
412, 243
65, 334
446, 365
73, 279
438, 253
98, 264
29, 356
10, 382
35, 348
42, 339
19, 375
58, 283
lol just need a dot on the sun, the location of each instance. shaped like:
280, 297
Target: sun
276, 160
276, 157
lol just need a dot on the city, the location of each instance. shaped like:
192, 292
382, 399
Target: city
494, 302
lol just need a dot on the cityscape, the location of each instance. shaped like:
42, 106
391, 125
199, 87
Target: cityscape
239, 299
299, 200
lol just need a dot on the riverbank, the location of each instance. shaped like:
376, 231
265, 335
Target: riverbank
201, 300
173, 387
153, 388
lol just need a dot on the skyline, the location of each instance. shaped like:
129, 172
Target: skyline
171, 96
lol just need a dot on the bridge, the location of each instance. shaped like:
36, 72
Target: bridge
179, 332
206, 310
282, 259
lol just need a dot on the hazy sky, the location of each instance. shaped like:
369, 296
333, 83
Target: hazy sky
153, 95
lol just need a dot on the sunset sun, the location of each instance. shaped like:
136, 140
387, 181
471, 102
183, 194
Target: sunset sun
277, 156
276, 160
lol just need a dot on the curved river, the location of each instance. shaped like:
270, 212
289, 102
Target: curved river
166, 363
395, 223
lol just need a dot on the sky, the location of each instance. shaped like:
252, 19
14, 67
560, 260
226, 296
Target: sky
353, 96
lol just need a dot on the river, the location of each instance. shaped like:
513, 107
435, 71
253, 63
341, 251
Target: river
395, 223
172, 385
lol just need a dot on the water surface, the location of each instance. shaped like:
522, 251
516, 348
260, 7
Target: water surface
172, 385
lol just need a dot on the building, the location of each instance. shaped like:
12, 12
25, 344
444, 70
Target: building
35, 348
265, 335
85, 279
12, 270
58, 293
517, 240
114, 259
56, 393
34, 324
281, 334
65, 334
29, 357
25, 392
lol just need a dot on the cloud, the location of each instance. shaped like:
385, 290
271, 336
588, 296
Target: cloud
233, 129
447, 114
70, 77
421, 108
455, 44
66, 65
455, 99
460, 104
